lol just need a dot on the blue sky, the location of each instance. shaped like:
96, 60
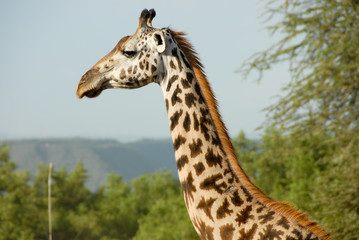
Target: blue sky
46, 46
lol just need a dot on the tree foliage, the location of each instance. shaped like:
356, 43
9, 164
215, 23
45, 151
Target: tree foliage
308, 172
151, 207
18, 220
312, 135
321, 42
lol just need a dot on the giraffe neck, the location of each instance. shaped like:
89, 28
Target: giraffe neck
219, 204
209, 187
198, 149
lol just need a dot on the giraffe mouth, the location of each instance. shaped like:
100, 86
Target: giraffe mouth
90, 89
91, 93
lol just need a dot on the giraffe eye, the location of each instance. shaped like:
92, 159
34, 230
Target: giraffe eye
128, 53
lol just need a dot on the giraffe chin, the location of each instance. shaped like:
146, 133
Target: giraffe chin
92, 93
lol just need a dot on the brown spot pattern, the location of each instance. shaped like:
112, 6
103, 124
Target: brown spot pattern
311, 237
298, 234
190, 99
210, 183
244, 215
172, 65
270, 233
185, 83
215, 140
122, 74
174, 119
199, 167
183, 160
199, 93
267, 217
248, 235
213, 159
248, 195
203, 123
188, 188
195, 122
141, 66
223, 209
205, 232
171, 81
206, 206
195, 147
175, 98
236, 199
178, 142
283, 222
260, 209
226, 231
187, 122
190, 77
204, 130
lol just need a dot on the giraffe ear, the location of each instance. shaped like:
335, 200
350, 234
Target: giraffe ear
159, 41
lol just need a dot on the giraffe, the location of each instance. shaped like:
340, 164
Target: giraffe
221, 200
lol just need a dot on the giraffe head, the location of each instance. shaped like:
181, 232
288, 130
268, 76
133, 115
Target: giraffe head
133, 63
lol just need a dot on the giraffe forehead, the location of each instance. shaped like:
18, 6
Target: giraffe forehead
144, 36
138, 42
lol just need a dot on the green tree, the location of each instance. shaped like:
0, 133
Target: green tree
317, 117
321, 42
151, 207
163, 214
114, 217
283, 167
72, 202
167, 220
19, 218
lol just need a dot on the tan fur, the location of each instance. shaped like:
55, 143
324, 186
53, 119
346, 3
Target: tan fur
282, 208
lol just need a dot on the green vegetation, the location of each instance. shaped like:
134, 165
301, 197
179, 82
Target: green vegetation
309, 154
150, 207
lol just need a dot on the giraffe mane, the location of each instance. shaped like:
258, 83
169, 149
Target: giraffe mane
281, 207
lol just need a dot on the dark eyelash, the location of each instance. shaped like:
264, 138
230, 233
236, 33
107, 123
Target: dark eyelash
128, 53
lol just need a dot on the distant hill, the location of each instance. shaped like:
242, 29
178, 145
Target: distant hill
99, 157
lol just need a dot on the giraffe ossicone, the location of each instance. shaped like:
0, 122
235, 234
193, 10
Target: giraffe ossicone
221, 200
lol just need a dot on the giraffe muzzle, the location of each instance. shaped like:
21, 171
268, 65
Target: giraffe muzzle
91, 84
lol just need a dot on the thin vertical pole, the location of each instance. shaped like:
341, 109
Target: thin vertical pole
49, 200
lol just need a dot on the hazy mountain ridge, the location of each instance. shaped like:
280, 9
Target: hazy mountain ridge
99, 157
